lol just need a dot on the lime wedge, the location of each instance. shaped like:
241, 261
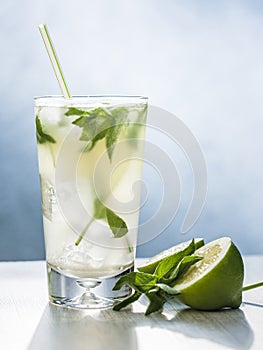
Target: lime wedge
215, 281
154, 261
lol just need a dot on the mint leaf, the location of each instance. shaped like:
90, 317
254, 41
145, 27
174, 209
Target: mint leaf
135, 296
117, 224
75, 111
92, 143
92, 127
112, 137
94, 123
139, 281
42, 137
158, 296
182, 268
156, 302
119, 121
170, 262
99, 210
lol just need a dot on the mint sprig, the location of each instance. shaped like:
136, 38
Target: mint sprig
158, 287
116, 223
42, 137
100, 123
100, 212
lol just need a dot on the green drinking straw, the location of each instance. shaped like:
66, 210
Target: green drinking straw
54, 60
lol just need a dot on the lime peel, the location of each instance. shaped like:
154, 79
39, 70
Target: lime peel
217, 283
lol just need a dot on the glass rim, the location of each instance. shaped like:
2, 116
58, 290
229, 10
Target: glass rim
78, 100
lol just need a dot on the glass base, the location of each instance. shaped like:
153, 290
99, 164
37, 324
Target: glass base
85, 293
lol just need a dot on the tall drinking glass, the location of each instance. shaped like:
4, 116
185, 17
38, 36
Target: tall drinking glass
90, 155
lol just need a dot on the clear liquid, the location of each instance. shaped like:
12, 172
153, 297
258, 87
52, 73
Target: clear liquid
72, 179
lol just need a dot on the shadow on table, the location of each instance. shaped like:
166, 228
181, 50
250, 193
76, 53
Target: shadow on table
61, 328
72, 329
225, 327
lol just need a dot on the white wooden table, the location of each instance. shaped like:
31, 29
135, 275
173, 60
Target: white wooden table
27, 321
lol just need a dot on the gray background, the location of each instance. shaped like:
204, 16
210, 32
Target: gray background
201, 60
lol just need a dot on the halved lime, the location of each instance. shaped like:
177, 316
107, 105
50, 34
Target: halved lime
215, 281
154, 261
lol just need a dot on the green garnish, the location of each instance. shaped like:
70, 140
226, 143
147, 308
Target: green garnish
99, 210
100, 123
42, 137
116, 223
158, 286
74, 111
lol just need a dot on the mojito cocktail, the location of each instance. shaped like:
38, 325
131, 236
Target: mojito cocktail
90, 154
